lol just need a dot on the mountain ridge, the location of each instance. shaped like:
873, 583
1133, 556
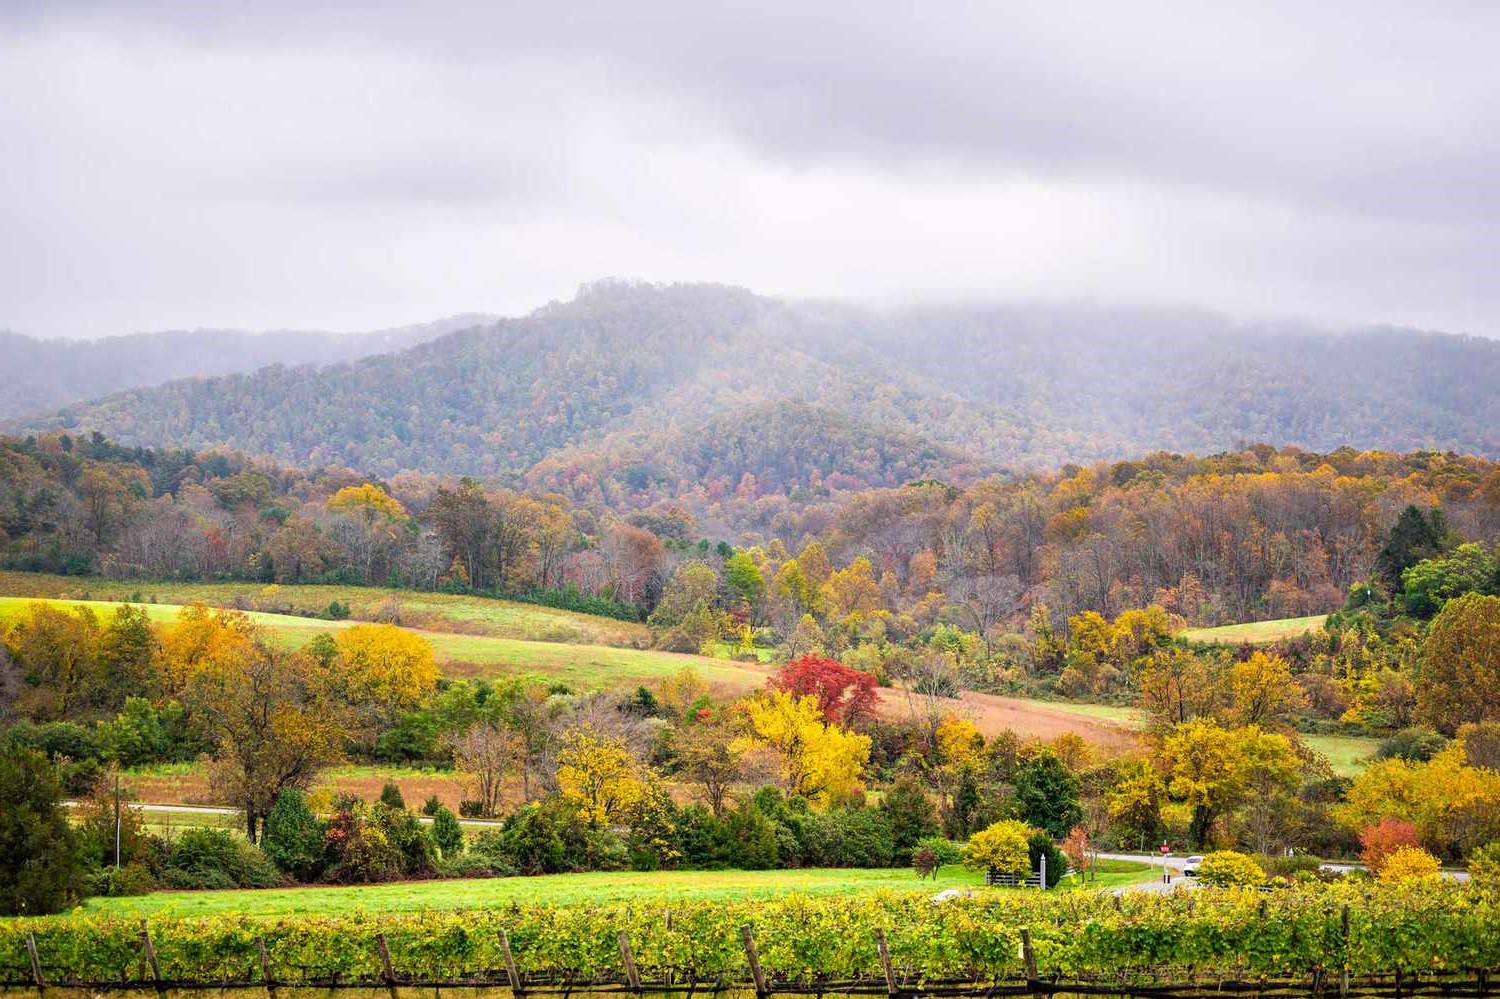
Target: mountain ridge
618, 392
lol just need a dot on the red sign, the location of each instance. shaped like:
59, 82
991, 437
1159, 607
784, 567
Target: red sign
1165, 849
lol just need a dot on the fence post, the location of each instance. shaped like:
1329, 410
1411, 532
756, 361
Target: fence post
265, 966
1344, 957
748, 936
631, 974
150, 952
1028, 955
385, 964
511, 973
1043, 884
36, 962
885, 962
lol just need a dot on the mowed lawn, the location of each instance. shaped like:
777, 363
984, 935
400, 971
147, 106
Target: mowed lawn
582, 667
430, 611
566, 889
1256, 632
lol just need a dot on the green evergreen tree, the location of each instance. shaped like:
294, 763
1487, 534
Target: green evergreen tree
391, 795
41, 870
294, 837
1047, 795
446, 831
911, 815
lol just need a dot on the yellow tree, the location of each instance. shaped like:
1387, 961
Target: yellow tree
1177, 685
1263, 690
817, 759
369, 500
1212, 769
384, 667
58, 654
598, 773
202, 637
274, 722
1460, 679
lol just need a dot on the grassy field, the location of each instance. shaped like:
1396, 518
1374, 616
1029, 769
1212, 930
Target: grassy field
582, 667
428, 611
1255, 632
1348, 754
564, 889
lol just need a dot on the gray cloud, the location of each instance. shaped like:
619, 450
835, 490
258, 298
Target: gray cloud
291, 163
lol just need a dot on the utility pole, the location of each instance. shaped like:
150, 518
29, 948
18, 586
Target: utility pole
117, 816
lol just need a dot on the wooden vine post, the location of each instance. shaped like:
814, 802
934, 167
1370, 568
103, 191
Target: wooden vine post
265, 967
36, 963
1344, 955
149, 950
385, 964
1028, 957
511, 974
885, 962
751, 956
627, 957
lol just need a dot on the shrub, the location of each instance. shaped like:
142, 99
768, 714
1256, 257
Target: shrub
431, 805
1002, 847
390, 796
40, 868
359, 849
1384, 838
294, 837
946, 851
473, 865
132, 879
1410, 863
217, 858
1042, 845
471, 809
1484, 865
910, 813
1289, 867
1416, 744
447, 833
1230, 868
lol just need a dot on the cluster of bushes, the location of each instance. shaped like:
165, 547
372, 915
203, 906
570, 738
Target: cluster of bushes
141, 733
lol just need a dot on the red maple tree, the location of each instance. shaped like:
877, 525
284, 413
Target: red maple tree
845, 695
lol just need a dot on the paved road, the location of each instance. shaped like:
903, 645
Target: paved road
1174, 865
142, 806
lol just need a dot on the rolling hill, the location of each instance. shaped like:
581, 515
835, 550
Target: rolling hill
630, 393
60, 372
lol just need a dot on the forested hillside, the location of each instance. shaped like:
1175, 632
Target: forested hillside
616, 396
42, 375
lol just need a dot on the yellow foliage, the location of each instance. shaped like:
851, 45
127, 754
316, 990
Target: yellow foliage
817, 759
386, 665
368, 499
598, 773
959, 741
1449, 801
1410, 863
1001, 847
203, 638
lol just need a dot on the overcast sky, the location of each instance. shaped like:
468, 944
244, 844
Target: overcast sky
290, 163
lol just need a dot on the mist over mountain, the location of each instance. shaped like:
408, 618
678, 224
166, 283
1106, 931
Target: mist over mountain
43, 375
632, 393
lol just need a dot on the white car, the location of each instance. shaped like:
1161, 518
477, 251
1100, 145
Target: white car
1190, 867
